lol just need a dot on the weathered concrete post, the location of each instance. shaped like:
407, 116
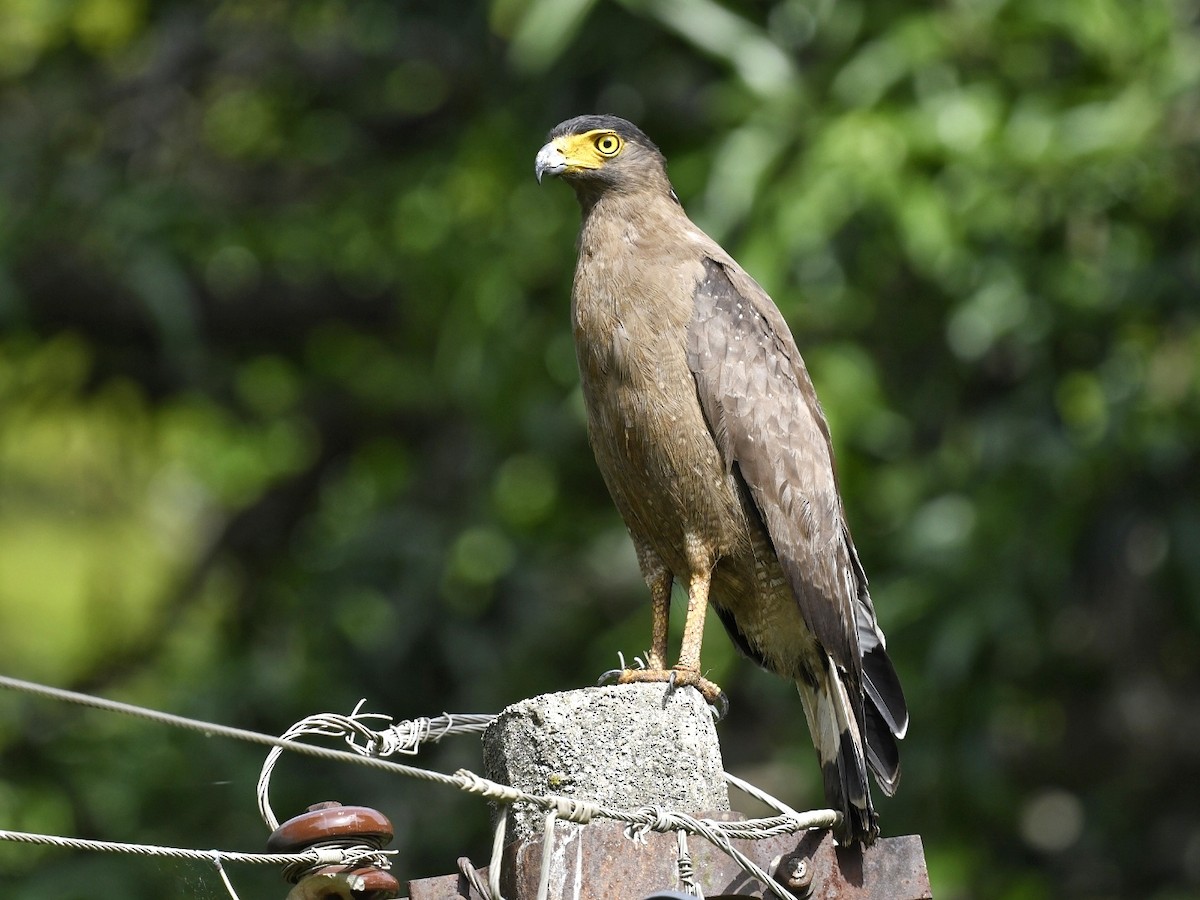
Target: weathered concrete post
624, 746
630, 746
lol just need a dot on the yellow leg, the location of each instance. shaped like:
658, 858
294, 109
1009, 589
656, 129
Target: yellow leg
693, 625
660, 618
687, 670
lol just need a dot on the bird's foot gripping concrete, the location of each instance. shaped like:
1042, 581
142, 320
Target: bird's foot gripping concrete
679, 676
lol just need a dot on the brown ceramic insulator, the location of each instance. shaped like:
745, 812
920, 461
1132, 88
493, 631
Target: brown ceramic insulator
319, 825
376, 884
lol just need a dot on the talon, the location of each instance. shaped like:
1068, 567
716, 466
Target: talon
675, 678
720, 709
711, 692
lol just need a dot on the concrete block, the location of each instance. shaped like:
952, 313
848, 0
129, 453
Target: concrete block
623, 746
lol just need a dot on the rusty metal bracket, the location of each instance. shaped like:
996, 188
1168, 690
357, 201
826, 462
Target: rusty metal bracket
597, 862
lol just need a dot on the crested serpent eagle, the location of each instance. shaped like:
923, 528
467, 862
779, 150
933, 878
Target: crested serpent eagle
710, 438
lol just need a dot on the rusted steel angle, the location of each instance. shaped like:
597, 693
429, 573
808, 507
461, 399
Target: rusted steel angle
597, 862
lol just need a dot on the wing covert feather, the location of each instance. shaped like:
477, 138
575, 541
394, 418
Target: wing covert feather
765, 417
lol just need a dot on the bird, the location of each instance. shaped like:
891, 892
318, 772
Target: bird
714, 447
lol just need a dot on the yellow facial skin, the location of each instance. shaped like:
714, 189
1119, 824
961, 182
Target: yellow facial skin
575, 153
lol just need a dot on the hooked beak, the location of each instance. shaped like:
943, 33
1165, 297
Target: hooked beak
550, 160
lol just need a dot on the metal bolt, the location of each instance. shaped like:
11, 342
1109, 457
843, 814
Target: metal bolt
797, 876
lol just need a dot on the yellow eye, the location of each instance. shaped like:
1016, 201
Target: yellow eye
608, 144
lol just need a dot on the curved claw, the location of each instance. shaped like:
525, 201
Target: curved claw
674, 679
609, 677
717, 700
720, 709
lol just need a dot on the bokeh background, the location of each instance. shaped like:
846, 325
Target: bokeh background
289, 413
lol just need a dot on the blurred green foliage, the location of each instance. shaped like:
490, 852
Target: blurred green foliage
289, 416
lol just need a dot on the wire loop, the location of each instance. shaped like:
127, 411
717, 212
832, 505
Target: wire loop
367, 746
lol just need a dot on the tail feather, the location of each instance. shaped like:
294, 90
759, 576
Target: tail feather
885, 717
840, 749
880, 681
883, 754
882, 686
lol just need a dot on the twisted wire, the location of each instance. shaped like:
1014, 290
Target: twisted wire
683, 862
473, 877
368, 744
